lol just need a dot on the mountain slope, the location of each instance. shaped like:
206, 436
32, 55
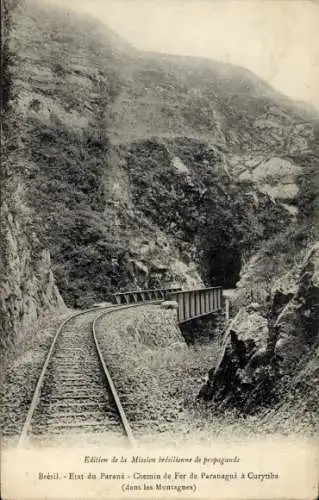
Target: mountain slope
217, 102
132, 160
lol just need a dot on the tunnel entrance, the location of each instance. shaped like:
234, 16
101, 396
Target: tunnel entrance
223, 267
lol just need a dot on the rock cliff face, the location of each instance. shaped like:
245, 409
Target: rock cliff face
272, 350
27, 288
297, 323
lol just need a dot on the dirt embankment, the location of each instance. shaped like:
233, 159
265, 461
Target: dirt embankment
156, 374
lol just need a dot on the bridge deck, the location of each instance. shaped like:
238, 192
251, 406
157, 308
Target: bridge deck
195, 303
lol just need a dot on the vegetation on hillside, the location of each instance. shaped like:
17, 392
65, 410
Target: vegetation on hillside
71, 106
98, 114
207, 211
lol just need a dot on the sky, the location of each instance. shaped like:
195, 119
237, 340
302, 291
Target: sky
276, 39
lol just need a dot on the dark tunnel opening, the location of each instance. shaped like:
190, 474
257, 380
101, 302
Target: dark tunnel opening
223, 267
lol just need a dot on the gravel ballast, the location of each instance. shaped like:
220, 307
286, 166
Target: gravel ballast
21, 372
155, 373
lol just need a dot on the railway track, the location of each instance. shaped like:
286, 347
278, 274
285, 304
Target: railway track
75, 392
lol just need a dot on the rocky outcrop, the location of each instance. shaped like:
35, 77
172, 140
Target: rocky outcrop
276, 176
298, 322
27, 289
264, 345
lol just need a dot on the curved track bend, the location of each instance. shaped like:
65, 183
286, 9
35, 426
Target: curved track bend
75, 392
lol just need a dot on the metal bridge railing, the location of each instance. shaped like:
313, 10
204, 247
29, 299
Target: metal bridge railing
142, 295
195, 303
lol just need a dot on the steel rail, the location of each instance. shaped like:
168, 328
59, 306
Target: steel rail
125, 422
37, 391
